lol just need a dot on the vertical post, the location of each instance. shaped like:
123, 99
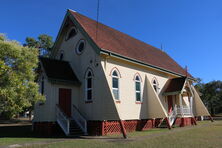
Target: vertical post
211, 119
191, 105
168, 123
123, 129
103, 129
181, 105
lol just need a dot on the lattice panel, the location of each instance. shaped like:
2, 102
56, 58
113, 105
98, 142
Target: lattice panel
112, 127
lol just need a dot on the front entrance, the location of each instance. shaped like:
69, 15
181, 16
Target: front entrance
65, 101
170, 104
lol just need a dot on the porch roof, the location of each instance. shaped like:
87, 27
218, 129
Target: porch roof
175, 86
57, 70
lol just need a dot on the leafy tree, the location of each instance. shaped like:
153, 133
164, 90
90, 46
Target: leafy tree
44, 43
17, 87
211, 94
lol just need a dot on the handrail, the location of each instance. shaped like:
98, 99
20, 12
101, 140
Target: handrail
173, 115
80, 119
184, 110
62, 119
78, 111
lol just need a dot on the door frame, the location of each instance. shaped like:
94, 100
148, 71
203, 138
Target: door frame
65, 100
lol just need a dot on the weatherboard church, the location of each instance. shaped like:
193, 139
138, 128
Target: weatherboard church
101, 81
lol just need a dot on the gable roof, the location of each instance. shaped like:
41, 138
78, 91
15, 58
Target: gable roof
57, 70
175, 85
111, 40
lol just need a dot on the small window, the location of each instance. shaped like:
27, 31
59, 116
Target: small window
155, 85
89, 85
115, 84
138, 88
71, 33
80, 46
42, 85
61, 55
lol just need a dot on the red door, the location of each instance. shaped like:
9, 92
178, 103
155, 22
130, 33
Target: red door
65, 100
170, 104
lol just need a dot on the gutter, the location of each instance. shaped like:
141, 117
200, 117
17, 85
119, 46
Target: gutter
116, 55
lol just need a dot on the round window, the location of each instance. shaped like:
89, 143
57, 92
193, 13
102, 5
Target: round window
80, 46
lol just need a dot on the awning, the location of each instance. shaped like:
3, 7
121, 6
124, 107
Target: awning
58, 71
175, 86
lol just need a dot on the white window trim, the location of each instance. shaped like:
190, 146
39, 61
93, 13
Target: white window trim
157, 86
86, 88
136, 91
118, 78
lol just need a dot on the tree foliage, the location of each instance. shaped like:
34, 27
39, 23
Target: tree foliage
44, 43
17, 87
211, 94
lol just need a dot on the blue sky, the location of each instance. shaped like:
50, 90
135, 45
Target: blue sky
190, 30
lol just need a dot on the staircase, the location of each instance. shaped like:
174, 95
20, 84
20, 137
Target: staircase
74, 126
163, 124
74, 129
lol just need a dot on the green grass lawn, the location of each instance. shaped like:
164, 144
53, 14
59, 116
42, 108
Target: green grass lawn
204, 135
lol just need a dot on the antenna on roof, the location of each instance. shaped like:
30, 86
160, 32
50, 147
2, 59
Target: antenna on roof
97, 18
161, 47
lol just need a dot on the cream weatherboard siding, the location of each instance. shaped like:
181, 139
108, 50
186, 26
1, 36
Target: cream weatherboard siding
128, 108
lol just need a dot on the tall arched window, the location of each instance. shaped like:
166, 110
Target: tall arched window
115, 84
138, 88
155, 85
89, 85
42, 85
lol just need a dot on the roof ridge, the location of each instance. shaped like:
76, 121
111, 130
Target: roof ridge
100, 23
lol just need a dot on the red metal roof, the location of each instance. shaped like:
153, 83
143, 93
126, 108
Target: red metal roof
125, 45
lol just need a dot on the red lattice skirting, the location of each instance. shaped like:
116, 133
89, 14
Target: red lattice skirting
113, 127
185, 121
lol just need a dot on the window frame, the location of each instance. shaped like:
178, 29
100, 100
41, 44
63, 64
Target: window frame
69, 31
77, 46
86, 86
136, 91
118, 80
156, 84
42, 85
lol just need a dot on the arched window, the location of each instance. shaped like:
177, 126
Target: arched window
155, 85
71, 33
61, 55
138, 88
89, 85
42, 85
115, 84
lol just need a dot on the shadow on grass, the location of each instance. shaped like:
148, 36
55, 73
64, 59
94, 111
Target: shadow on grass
23, 131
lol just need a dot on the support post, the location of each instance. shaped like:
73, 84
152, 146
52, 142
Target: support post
168, 123
211, 119
194, 120
181, 105
103, 129
123, 129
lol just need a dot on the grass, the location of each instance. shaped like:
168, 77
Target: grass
204, 135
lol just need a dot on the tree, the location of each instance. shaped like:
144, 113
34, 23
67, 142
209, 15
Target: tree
44, 43
17, 87
211, 94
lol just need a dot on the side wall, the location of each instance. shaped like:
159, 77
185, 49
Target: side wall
128, 108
